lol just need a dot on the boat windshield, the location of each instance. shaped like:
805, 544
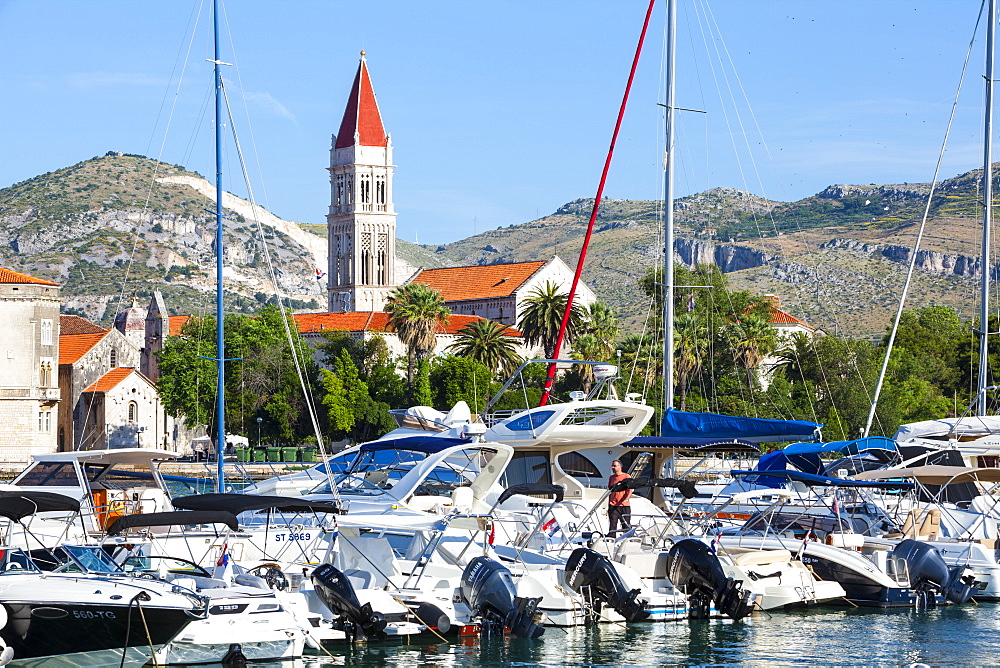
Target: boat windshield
375, 472
14, 561
86, 559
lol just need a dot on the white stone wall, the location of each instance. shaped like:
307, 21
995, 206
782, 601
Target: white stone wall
25, 310
109, 424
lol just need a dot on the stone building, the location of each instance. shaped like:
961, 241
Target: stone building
361, 223
90, 357
497, 291
122, 410
29, 387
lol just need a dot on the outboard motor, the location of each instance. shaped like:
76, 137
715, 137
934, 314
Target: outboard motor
337, 593
590, 572
930, 575
691, 564
488, 589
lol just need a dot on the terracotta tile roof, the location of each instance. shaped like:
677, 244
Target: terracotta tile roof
484, 282
779, 317
110, 379
9, 276
74, 324
361, 115
74, 346
310, 323
177, 322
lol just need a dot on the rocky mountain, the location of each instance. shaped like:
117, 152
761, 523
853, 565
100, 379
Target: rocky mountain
118, 224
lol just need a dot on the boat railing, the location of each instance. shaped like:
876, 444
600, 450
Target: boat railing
899, 571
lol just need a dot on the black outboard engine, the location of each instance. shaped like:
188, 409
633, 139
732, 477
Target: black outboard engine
589, 572
692, 565
930, 575
337, 593
488, 589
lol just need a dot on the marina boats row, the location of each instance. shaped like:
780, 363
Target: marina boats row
452, 526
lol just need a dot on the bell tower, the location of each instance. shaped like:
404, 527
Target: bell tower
361, 223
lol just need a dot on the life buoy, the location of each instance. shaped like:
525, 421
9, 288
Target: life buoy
117, 507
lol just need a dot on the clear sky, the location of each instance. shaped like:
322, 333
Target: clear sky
499, 111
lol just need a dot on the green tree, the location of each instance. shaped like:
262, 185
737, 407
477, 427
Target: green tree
375, 364
351, 411
261, 382
542, 317
453, 379
488, 343
415, 313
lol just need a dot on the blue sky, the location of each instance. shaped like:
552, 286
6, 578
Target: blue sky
499, 111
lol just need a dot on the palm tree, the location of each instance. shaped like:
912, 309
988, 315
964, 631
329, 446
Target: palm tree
415, 311
543, 316
488, 343
688, 346
753, 339
601, 323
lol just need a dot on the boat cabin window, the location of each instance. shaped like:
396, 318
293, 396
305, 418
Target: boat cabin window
530, 421
597, 415
374, 471
527, 467
49, 474
579, 466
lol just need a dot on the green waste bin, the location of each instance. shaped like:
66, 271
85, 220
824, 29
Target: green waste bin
289, 454
273, 454
308, 455
242, 454
258, 455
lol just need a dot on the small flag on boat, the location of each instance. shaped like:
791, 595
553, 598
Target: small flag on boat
715, 544
836, 505
224, 557
805, 542
690, 304
335, 535
551, 527
493, 533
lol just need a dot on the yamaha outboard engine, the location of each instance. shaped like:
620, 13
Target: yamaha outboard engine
488, 589
337, 593
930, 575
590, 572
692, 565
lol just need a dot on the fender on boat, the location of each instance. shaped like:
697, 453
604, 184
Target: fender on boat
928, 571
691, 564
337, 593
488, 589
587, 568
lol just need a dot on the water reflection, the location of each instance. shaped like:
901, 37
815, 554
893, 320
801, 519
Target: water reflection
966, 635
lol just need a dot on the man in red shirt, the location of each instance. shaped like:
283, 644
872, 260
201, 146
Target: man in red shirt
619, 505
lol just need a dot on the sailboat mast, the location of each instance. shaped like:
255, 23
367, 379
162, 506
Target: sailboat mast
220, 348
668, 212
984, 305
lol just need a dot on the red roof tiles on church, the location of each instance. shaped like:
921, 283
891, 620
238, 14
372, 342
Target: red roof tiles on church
110, 379
70, 325
361, 115
74, 346
310, 323
9, 276
489, 281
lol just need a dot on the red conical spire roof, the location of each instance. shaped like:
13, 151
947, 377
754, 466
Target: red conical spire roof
361, 115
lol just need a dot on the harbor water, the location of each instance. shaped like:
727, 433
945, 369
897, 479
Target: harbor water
967, 635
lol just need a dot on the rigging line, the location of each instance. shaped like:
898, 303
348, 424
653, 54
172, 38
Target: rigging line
293, 348
920, 232
593, 214
159, 156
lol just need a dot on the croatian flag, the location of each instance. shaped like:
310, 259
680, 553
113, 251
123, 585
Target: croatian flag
226, 562
836, 505
715, 544
334, 536
805, 542
320, 274
551, 527
690, 303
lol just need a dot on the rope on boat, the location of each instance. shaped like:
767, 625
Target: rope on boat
426, 625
